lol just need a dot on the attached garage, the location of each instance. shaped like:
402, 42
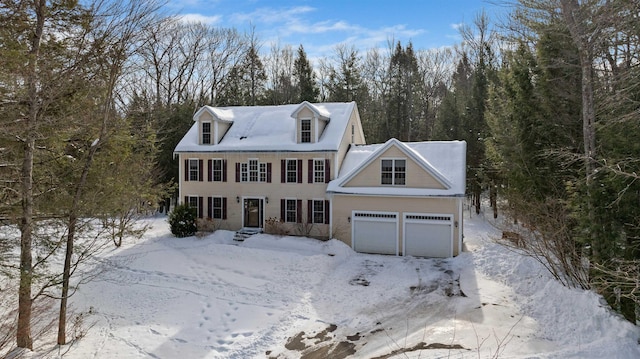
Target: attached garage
428, 235
375, 232
401, 198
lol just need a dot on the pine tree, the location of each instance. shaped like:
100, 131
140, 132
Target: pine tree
305, 78
403, 97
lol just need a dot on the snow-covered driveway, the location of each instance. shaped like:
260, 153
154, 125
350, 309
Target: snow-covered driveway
288, 297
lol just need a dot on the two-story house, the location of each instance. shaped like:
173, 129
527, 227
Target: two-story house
308, 167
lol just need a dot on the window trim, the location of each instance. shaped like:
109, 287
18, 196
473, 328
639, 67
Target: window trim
314, 212
209, 133
215, 171
261, 171
199, 204
288, 211
291, 175
194, 173
220, 208
394, 175
303, 132
319, 174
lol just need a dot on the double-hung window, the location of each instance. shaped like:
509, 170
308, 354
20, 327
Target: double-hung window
253, 171
216, 207
305, 131
318, 211
318, 170
194, 170
193, 202
393, 172
291, 211
292, 171
216, 170
206, 133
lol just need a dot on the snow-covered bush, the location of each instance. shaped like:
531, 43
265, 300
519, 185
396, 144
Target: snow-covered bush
182, 221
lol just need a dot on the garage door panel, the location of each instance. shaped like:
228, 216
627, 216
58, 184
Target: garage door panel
428, 239
375, 237
375, 232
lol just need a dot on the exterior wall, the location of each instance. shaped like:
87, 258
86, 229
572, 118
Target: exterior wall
358, 137
416, 176
343, 205
220, 129
274, 191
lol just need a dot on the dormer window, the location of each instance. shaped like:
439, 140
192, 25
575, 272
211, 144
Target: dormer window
206, 133
305, 131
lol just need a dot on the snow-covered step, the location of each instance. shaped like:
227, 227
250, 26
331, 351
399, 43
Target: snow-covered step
245, 233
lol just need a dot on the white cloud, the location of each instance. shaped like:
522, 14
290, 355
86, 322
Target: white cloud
209, 20
457, 26
270, 15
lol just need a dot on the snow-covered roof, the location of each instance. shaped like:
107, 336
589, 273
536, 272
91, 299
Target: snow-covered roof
319, 111
270, 128
444, 160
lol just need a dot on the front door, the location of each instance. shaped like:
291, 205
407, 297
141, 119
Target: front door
253, 212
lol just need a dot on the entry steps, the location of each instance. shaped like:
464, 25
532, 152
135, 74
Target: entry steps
245, 233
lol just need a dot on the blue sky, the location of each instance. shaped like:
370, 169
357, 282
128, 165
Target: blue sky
320, 25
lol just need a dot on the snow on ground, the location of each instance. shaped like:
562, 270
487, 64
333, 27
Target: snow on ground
288, 297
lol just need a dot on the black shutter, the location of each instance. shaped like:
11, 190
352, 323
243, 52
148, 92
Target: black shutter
283, 171
224, 170
209, 207
186, 170
200, 207
237, 171
327, 171
309, 211
299, 210
224, 207
209, 171
310, 171
186, 200
283, 218
299, 171
326, 212
269, 172
200, 171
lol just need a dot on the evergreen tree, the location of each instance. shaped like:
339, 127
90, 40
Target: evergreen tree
403, 97
346, 83
245, 83
305, 78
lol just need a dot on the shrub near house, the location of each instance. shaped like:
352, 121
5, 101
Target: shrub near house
182, 221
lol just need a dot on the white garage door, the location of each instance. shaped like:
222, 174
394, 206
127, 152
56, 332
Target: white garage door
375, 232
428, 235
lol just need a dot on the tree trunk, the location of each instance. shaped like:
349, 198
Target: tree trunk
574, 16
66, 275
23, 336
24, 339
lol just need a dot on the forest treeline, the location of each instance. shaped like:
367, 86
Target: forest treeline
95, 95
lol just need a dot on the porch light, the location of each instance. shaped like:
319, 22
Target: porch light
349, 219
237, 199
266, 200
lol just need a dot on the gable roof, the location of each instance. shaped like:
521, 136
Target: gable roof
217, 113
321, 113
444, 160
270, 128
